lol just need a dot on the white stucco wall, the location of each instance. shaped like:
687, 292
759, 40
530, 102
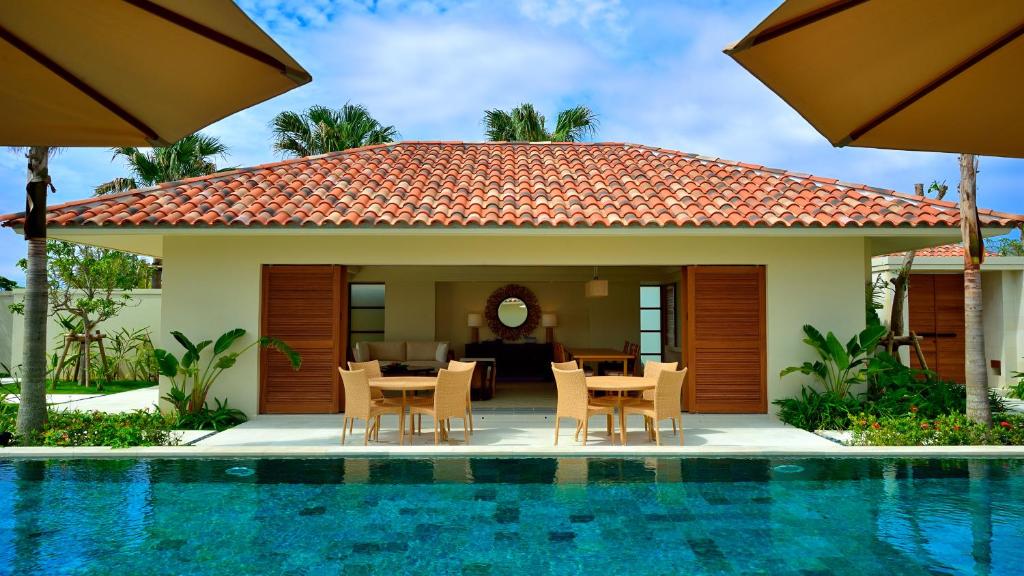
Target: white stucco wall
143, 312
212, 281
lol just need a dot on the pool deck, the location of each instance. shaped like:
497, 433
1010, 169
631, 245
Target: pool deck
514, 433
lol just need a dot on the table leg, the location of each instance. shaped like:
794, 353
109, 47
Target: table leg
401, 421
622, 422
625, 366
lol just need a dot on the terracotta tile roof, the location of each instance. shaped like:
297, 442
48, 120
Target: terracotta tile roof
458, 184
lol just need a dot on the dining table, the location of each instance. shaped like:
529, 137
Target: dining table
582, 355
620, 385
405, 384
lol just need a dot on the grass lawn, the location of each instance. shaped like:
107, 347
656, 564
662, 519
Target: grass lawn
69, 387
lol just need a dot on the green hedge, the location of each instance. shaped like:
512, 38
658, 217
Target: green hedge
78, 428
948, 430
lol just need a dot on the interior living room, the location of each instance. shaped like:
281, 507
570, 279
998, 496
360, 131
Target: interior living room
516, 320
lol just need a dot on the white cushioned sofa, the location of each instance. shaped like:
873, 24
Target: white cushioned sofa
411, 353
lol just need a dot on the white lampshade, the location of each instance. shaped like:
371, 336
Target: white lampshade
474, 320
596, 288
549, 320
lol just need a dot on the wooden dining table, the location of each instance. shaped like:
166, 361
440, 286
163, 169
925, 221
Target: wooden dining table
405, 384
582, 355
620, 385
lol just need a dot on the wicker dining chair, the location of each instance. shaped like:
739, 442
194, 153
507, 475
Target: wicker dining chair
459, 366
450, 399
372, 368
667, 403
359, 404
569, 365
651, 371
575, 403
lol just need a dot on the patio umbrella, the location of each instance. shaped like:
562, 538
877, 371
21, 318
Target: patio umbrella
117, 73
131, 72
932, 75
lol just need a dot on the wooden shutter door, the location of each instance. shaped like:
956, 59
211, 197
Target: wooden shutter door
936, 313
949, 327
306, 307
726, 355
921, 316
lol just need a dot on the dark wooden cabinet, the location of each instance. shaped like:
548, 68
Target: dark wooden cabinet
518, 361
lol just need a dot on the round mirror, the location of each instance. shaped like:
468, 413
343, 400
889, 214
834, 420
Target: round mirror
512, 312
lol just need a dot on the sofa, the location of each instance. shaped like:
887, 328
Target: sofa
414, 354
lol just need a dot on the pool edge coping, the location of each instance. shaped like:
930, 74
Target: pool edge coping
209, 452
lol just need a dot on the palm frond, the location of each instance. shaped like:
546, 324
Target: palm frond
116, 186
575, 124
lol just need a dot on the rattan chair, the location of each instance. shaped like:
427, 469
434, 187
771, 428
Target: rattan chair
569, 365
575, 403
450, 399
359, 404
459, 366
651, 371
666, 403
372, 369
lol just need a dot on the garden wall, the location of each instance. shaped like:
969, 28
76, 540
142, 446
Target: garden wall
144, 312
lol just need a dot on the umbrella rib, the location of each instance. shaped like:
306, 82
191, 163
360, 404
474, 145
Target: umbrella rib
793, 24
79, 84
930, 87
298, 76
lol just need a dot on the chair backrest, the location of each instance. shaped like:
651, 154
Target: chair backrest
372, 369
572, 393
634, 352
668, 393
652, 369
457, 366
357, 393
570, 365
451, 393
559, 353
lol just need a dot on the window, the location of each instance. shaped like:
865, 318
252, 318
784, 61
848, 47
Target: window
650, 324
365, 313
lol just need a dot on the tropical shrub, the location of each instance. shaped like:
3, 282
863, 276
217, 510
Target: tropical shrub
813, 410
220, 418
78, 428
190, 376
1017, 390
895, 389
946, 430
839, 367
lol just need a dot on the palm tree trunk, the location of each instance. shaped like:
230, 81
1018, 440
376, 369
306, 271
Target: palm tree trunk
974, 327
32, 408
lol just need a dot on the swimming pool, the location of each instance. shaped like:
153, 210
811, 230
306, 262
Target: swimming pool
512, 516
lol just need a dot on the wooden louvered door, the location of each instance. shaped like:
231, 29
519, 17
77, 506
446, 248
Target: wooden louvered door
936, 314
725, 339
306, 306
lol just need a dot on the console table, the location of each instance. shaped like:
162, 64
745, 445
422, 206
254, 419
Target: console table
515, 361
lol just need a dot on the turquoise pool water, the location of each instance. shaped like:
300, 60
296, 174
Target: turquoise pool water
512, 516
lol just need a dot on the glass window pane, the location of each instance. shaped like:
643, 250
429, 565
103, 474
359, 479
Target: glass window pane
367, 295
650, 320
650, 343
650, 296
645, 358
371, 320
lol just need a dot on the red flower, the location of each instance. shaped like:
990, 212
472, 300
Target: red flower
875, 425
913, 409
1006, 424
956, 426
924, 425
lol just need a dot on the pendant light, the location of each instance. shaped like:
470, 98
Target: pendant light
596, 288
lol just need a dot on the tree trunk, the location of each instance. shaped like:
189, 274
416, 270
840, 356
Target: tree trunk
32, 407
974, 327
157, 280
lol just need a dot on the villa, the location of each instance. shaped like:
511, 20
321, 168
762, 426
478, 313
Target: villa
399, 246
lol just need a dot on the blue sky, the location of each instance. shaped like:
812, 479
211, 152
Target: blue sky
652, 70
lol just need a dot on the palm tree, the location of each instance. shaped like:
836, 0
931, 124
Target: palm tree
189, 157
32, 407
320, 130
524, 124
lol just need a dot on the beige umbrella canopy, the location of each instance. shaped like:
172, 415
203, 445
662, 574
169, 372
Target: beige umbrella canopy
131, 72
933, 75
